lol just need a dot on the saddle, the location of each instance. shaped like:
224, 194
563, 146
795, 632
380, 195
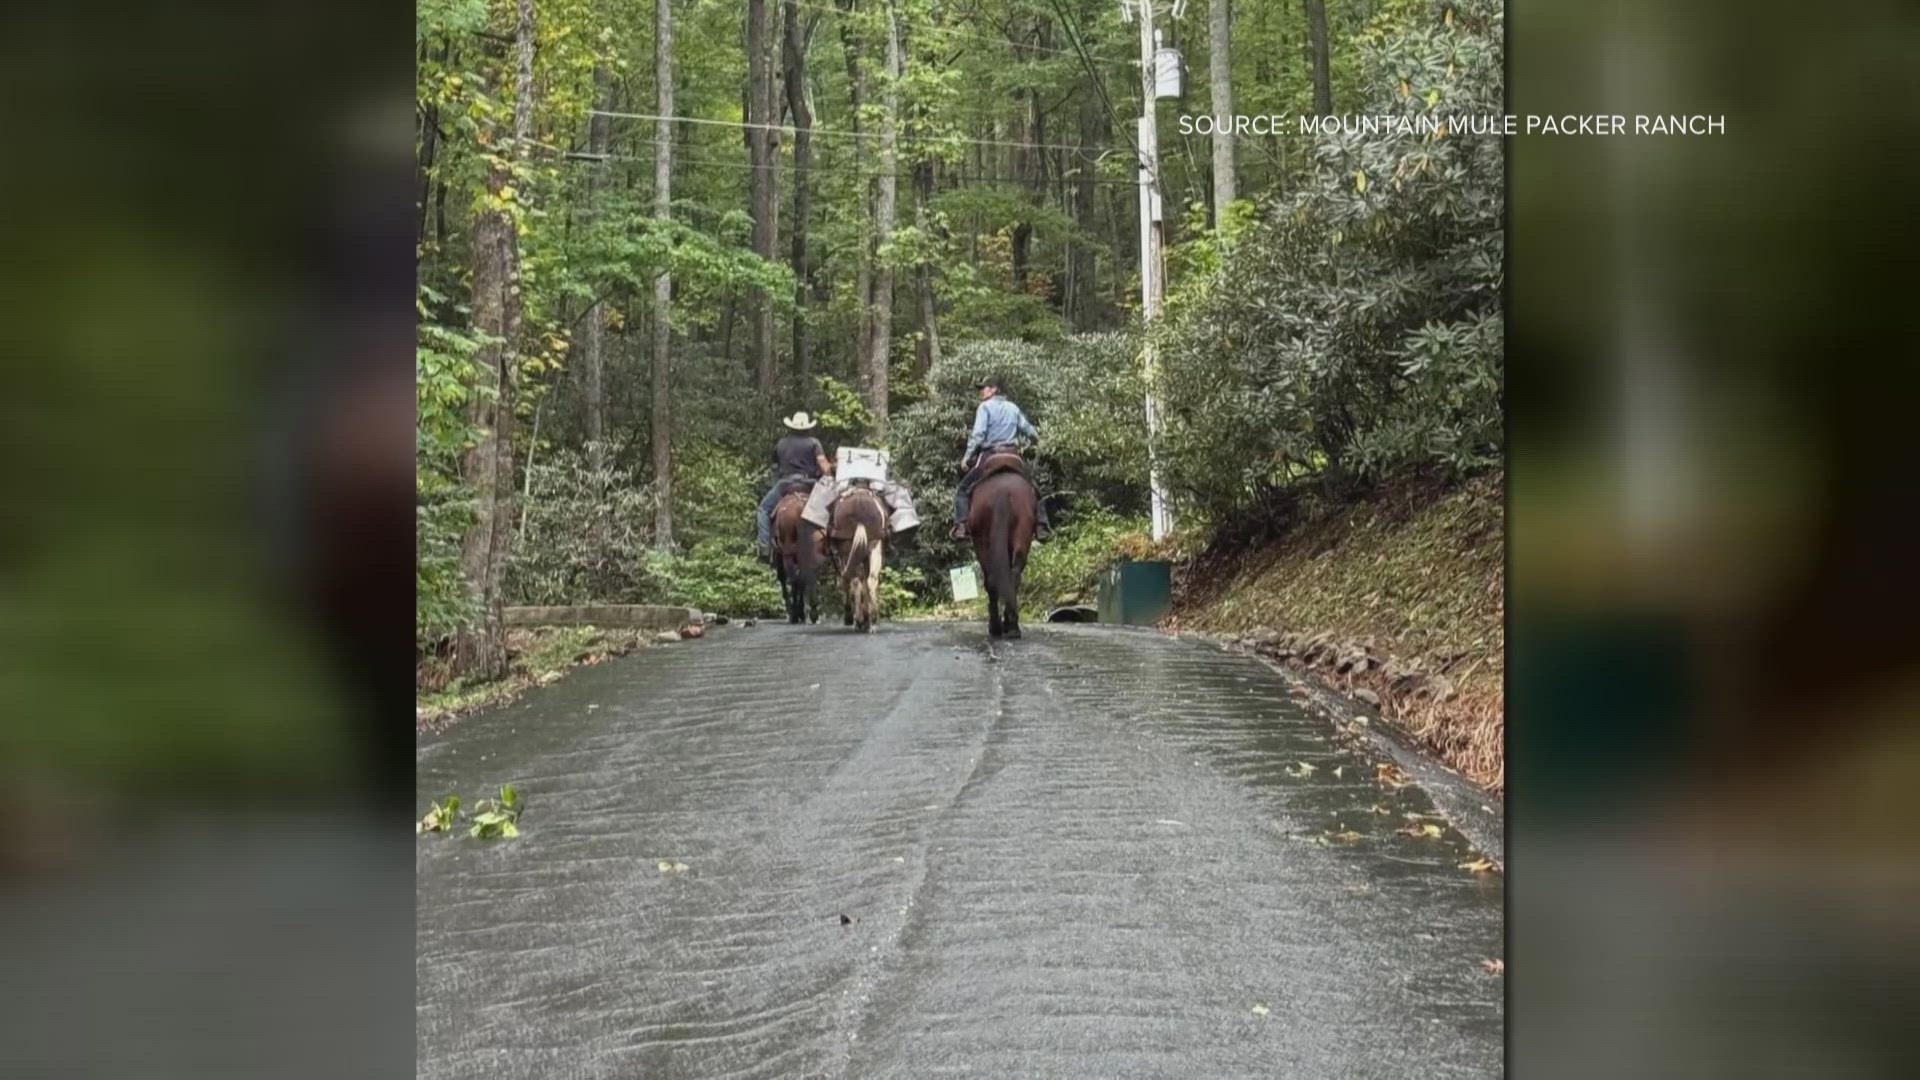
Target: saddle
795, 485
1003, 459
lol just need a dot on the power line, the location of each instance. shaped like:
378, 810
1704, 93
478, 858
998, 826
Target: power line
997, 41
784, 129
1073, 35
838, 170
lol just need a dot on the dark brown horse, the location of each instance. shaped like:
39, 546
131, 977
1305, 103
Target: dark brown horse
799, 551
858, 535
1001, 523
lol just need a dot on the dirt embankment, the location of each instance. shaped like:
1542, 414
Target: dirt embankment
1398, 599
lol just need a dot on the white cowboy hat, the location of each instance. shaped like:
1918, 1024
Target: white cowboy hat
800, 421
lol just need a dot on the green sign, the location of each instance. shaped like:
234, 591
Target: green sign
966, 582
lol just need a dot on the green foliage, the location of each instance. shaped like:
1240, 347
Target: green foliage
585, 536
1084, 394
716, 575
1067, 568
1349, 328
440, 817
845, 418
444, 382
1355, 331
716, 492
498, 818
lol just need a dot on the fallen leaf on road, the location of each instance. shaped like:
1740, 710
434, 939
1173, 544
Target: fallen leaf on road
1494, 967
1421, 830
1261, 1010
1348, 837
668, 866
1338, 769
1300, 769
1478, 866
1391, 775
1378, 809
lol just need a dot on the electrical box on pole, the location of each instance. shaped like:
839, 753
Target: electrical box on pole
1167, 72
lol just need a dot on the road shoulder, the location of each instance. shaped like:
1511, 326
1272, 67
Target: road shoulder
1473, 812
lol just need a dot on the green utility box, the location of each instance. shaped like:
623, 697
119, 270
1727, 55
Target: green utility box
1139, 593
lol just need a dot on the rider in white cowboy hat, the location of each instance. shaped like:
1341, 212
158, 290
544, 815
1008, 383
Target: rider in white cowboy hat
797, 456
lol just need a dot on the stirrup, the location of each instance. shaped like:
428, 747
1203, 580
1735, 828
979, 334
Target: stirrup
959, 531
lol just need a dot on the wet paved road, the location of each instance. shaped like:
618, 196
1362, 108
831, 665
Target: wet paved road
1080, 854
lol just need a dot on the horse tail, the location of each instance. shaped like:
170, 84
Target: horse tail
805, 565
1000, 545
857, 552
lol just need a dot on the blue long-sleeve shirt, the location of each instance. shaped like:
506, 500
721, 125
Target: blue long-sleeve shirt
998, 421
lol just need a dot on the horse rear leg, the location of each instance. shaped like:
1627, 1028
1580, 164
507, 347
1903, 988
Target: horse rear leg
872, 589
1012, 599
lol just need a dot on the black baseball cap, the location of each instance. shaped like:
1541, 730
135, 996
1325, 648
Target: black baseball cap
990, 380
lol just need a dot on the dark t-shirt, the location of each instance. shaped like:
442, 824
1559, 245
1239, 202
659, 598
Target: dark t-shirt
796, 455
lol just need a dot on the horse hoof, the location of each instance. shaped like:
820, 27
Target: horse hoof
1013, 633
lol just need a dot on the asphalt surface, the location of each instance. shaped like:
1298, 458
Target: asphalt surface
1091, 852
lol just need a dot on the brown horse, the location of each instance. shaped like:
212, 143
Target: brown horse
1001, 523
858, 535
799, 550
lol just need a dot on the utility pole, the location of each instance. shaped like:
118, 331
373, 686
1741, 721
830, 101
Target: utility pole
1150, 247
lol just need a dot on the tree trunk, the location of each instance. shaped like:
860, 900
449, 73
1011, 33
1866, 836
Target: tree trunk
593, 330
798, 34
886, 211
928, 351
429, 144
487, 468
856, 99
1220, 73
663, 283
1322, 59
760, 185
509, 388
1093, 129
478, 651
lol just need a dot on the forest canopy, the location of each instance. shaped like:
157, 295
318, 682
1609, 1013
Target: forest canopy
647, 228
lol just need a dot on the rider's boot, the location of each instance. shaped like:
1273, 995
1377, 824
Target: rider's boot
959, 530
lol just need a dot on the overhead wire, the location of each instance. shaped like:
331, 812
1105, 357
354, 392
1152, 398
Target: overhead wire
789, 130
839, 170
998, 41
